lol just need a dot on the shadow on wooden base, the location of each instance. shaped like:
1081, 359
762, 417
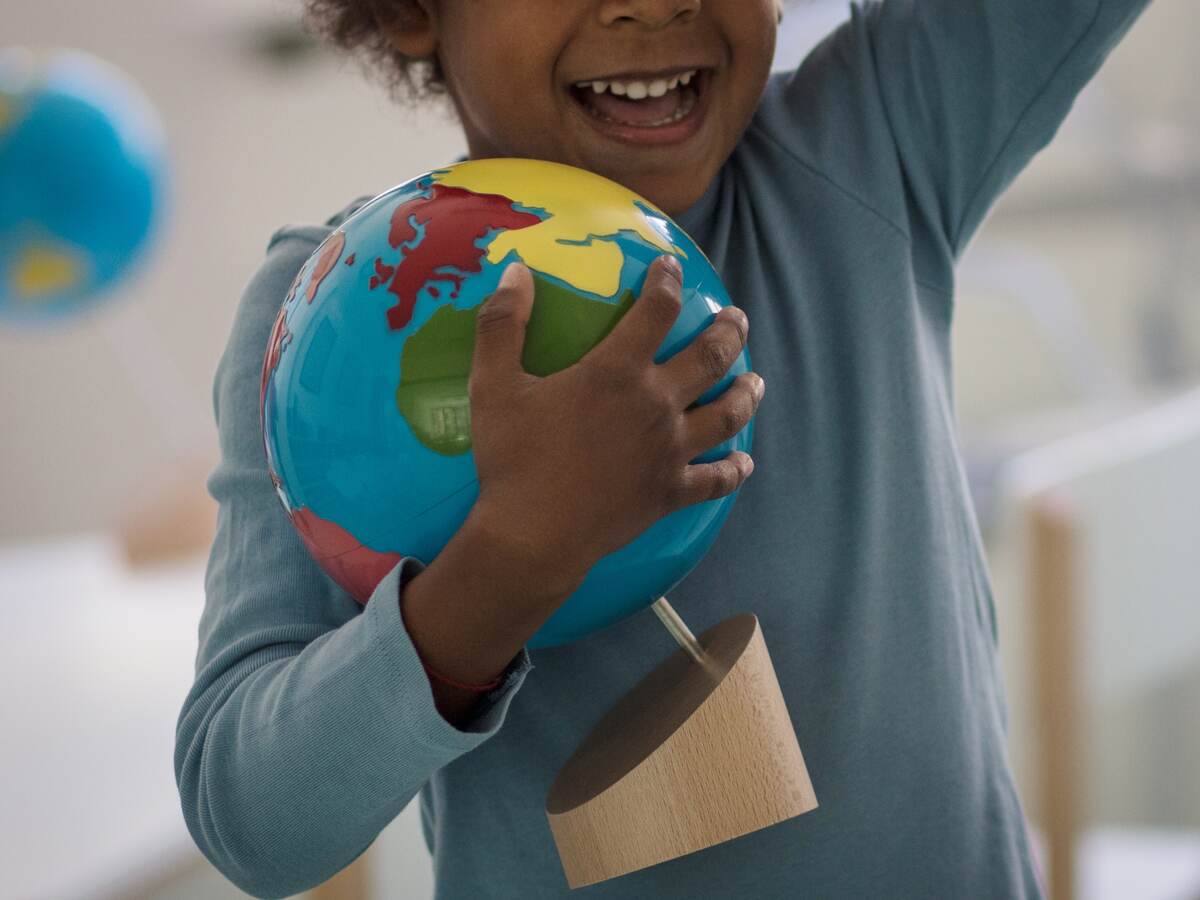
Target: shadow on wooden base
688, 759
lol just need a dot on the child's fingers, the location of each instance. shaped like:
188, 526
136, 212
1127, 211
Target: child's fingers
718, 421
704, 362
709, 481
500, 329
641, 331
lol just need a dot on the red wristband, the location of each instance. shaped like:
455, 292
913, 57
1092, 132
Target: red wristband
480, 688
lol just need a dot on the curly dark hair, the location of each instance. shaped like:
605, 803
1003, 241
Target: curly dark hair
359, 27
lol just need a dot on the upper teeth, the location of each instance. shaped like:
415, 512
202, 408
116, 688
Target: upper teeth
639, 90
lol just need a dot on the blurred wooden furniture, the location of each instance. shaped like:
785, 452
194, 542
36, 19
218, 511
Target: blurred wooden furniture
1110, 520
179, 521
352, 883
1055, 600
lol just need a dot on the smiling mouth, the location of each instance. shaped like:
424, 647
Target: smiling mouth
657, 102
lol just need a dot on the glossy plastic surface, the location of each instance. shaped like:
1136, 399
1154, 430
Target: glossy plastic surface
366, 418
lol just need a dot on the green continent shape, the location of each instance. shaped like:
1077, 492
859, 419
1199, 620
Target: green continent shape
436, 362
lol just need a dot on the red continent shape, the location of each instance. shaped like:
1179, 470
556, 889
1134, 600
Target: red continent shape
295, 284
331, 252
356, 568
275, 344
382, 273
462, 218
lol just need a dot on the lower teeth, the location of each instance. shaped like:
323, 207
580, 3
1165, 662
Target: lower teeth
686, 104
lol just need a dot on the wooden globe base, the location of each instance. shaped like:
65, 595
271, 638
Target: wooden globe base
691, 757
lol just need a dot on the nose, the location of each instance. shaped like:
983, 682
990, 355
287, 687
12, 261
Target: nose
650, 13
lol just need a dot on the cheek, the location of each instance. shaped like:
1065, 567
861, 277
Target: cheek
753, 40
508, 110
758, 33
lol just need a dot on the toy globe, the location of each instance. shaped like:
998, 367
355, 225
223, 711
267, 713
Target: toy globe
365, 413
82, 165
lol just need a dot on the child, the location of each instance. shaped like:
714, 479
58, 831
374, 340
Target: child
834, 200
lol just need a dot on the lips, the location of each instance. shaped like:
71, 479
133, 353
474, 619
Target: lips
643, 110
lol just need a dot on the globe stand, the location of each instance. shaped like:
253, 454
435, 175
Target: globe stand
700, 752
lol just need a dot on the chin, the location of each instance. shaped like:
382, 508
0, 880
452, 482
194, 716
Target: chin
676, 198
669, 192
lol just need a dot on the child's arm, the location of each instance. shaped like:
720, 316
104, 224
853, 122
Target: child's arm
974, 88
926, 110
310, 726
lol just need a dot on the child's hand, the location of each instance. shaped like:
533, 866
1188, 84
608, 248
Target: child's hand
577, 464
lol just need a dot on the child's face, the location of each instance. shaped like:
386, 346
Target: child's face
515, 68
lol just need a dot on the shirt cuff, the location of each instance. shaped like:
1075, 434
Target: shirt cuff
414, 689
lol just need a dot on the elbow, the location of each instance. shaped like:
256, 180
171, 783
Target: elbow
220, 826
215, 828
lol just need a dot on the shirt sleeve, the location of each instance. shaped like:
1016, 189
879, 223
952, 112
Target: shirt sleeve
926, 110
311, 723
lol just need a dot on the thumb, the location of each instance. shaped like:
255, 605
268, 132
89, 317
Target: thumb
500, 327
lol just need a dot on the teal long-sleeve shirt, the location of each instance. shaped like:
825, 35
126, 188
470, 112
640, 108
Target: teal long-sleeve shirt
836, 224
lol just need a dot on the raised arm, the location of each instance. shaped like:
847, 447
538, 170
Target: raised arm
974, 88
311, 723
936, 105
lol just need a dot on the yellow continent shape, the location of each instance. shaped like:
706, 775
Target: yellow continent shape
584, 209
45, 269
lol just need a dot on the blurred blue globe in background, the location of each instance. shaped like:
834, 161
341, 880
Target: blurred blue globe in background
82, 172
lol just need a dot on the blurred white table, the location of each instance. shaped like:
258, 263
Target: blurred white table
95, 660
1146, 864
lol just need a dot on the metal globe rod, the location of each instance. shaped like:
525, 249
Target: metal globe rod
683, 636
